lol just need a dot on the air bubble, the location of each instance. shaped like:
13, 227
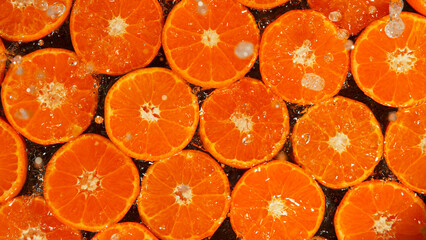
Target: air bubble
31, 89
40, 42
342, 34
335, 16
19, 71
244, 49
55, 10
99, 119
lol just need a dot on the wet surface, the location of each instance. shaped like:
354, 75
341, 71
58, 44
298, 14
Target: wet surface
61, 39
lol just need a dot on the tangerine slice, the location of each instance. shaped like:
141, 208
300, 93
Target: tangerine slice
244, 124
28, 217
352, 15
125, 231
211, 43
276, 200
90, 184
338, 141
405, 147
151, 114
392, 70
13, 162
380, 210
29, 20
301, 57
46, 99
184, 197
3, 59
418, 5
262, 4
118, 36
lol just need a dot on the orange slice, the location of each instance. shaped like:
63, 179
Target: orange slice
151, 114
125, 231
338, 141
90, 184
244, 124
392, 70
28, 217
352, 15
380, 210
211, 43
3, 59
46, 99
405, 147
262, 4
116, 36
302, 59
184, 197
29, 20
13, 162
418, 5
276, 200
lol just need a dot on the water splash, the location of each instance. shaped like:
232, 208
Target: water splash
395, 26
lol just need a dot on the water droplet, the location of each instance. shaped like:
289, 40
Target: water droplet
395, 8
128, 136
342, 34
372, 9
202, 7
349, 44
244, 49
41, 4
164, 97
248, 139
55, 10
40, 42
394, 28
31, 89
72, 61
17, 60
23, 114
392, 116
19, 70
328, 58
38, 162
304, 139
99, 119
313, 82
335, 16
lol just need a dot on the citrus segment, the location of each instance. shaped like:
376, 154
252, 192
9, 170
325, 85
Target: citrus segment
338, 141
28, 217
116, 36
418, 5
3, 59
351, 15
380, 210
151, 114
125, 231
405, 147
29, 20
184, 197
46, 98
90, 184
391, 70
211, 43
301, 57
13, 162
262, 4
276, 200
244, 124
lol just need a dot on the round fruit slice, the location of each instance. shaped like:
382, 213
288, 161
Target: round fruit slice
405, 147
116, 36
338, 141
380, 210
302, 59
151, 114
211, 43
29, 20
262, 4
125, 231
3, 59
392, 70
244, 124
418, 5
276, 200
13, 162
184, 197
28, 217
46, 98
90, 184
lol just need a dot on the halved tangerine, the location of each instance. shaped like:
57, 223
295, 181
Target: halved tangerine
338, 141
418, 5
276, 200
392, 70
244, 124
211, 43
301, 57
45, 97
262, 4
185, 196
3, 59
116, 36
125, 231
90, 184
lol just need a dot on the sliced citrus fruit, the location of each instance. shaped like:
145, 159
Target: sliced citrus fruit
45, 97
29, 20
244, 124
405, 147
28, 217
352, 15
276, 200
151, 114
392, 70
211, 43
301, 57
185, 196
116, 36
13, 162
125, 231
380, 210
3, 59
418, 5
338, 141
262, 4
90, 184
